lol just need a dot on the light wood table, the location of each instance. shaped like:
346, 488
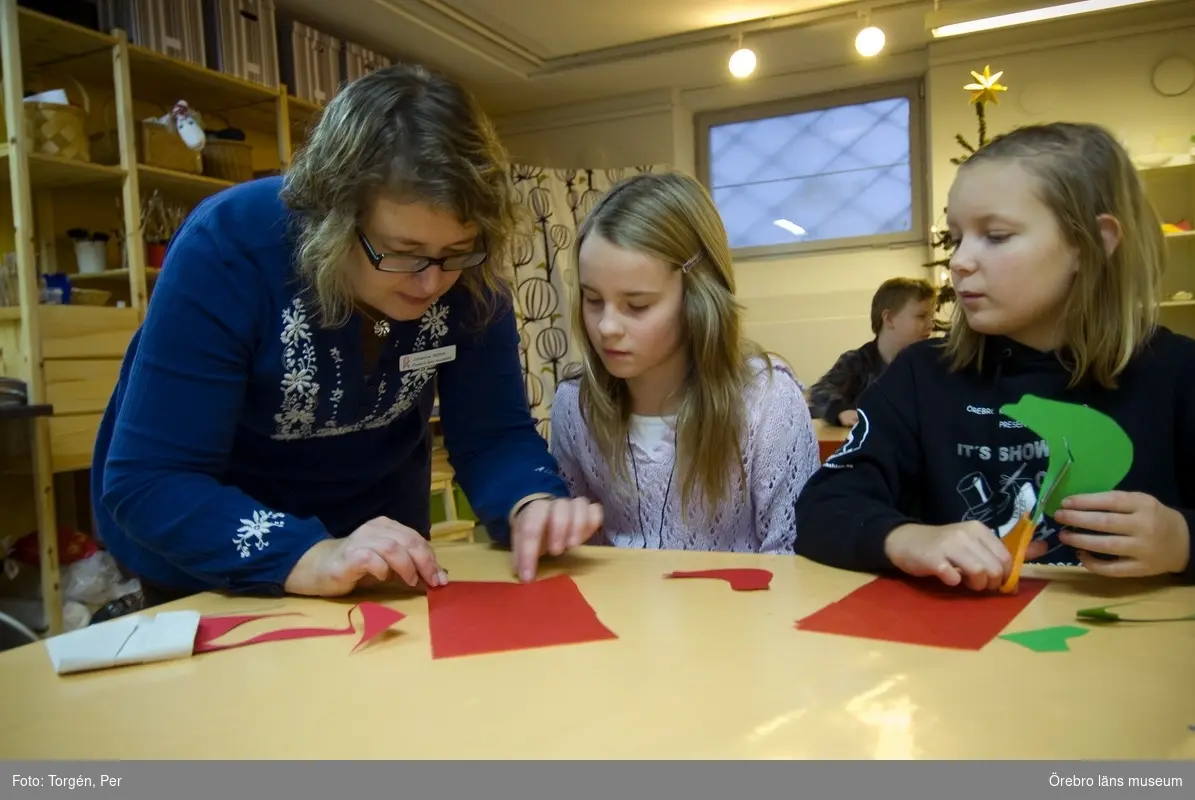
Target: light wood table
826, 432
829, 437
698, 672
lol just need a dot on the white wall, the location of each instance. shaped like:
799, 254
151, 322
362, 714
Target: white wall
636, 129
810, 308
1101, 77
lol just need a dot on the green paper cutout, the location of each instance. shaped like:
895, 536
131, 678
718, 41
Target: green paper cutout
1102, 451
1046, 640
1102, 614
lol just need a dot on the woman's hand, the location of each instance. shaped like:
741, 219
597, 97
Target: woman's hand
378, 551
964, 551
551, 526
1146, 537
848, 418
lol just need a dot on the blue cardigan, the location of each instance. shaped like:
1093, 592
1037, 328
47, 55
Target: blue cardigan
241, 433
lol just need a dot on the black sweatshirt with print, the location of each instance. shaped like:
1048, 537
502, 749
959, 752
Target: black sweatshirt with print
840, 388
932, 447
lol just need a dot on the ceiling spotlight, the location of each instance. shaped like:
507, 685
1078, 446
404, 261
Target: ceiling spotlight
742, 62
869, 41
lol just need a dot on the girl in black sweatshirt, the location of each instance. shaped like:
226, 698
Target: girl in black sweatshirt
1057, 266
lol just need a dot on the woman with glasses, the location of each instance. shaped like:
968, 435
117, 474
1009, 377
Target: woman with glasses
269, 432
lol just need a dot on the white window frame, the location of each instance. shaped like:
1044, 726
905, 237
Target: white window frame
911, 90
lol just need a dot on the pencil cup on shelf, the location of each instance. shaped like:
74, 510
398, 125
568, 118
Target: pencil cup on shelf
91, 256
91, 251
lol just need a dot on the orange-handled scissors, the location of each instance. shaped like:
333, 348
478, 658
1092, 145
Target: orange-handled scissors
1018, 539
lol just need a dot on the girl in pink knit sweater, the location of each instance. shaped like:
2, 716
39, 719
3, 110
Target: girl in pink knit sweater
690, 436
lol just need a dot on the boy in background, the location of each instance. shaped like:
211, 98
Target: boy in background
902, 311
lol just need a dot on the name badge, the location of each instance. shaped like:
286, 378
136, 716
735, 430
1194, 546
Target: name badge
427, 358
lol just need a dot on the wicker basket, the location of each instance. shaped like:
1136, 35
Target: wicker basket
54, 129
89, 297
57, 130
160, 146
156, 145
228, 160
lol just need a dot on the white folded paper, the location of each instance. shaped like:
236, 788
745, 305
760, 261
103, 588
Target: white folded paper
135, 639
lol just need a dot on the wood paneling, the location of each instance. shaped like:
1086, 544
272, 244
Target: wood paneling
78, 386
72, 439
86, 332
12, 363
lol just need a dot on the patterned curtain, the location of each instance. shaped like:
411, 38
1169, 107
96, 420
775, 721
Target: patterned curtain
545, 272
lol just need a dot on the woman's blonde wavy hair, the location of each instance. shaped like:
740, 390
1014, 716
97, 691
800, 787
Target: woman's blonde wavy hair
672, 217
411, 135
1082, 173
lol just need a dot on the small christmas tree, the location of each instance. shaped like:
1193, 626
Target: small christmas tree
983, 91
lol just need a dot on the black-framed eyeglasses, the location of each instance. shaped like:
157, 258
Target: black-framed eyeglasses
401, 262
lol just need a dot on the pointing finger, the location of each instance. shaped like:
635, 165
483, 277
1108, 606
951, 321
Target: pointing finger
528, 539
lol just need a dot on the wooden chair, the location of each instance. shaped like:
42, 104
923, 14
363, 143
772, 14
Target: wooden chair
452, 529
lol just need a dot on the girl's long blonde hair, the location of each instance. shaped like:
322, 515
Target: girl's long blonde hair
412, 135
670, 216
1082, 173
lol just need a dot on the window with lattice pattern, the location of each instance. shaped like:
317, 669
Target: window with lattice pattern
818, 176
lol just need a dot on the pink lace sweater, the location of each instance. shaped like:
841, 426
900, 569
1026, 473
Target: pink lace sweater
780, 454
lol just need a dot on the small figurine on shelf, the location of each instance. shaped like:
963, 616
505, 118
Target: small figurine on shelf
189, 129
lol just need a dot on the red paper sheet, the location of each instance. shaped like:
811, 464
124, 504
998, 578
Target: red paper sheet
474, 617
375, 618
923, 611
741, 580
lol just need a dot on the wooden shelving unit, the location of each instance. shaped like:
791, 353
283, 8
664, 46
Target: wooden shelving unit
181, 185
1171, 188
69, 355
53, 172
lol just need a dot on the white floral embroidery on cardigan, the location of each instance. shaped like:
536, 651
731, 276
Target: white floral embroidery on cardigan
300, 389
253, 531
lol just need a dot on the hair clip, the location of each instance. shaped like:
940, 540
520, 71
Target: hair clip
688, 265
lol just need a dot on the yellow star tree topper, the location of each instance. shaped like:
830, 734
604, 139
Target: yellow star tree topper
985, 87
984, 90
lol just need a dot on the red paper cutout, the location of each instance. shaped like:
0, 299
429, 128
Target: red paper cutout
741, 580
923, 611
828, 447
475, 617
212, 628
375, 618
